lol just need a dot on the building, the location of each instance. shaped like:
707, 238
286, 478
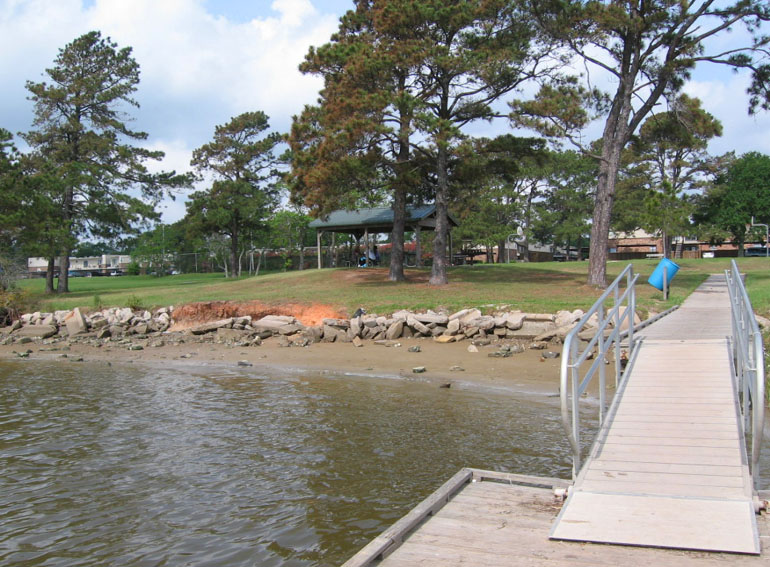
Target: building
103, 265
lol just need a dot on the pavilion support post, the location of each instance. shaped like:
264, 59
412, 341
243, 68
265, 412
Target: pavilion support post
333, 256
418, 247
318, 246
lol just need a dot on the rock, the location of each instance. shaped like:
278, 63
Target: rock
415, 348
395, 330
470, 316
330, 334
124, 315
357, 342
419, 369
340, 323
289, 329
244, 363
453, 327
315, 334
538, 346
514, 321
76, 323
472, 348
471, 332
431, 318
212, 326
273, 322
141, 329
540, 317
459, 314
116, 330
36, 331
418, 326
387, 343
225, 335
444, 339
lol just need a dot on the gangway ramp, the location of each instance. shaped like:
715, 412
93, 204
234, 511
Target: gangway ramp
669, 466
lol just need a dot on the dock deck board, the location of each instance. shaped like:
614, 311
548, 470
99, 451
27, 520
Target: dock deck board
669, 467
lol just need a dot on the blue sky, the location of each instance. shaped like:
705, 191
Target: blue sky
204, 61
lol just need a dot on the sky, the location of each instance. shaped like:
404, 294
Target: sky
205, 61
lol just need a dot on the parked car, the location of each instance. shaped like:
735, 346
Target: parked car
755, 251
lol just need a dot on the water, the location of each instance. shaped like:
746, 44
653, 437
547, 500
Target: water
133, 465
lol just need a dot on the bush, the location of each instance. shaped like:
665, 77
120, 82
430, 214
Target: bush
134, 302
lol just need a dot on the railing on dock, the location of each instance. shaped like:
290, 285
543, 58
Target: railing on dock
749, 359
608, 325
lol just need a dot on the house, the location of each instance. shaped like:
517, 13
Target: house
89, 265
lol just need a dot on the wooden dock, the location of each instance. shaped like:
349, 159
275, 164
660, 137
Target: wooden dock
668, 470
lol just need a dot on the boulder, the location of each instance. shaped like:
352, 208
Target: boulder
514, 321
76, 323
36, 331
470, 316
339, 323
417, 326
431, 318
212, 326
459, 314
225, 335
395, 330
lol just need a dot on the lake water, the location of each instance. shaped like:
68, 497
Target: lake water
150, 466
139, 465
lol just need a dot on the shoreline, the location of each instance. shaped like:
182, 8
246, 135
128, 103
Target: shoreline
449, 364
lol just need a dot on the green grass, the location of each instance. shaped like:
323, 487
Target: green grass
536, 287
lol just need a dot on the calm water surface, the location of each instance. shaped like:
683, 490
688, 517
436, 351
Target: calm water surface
130, 465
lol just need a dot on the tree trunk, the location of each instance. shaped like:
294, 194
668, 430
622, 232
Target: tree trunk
49, 275
396, 272
234, 254
438, 274
64, 268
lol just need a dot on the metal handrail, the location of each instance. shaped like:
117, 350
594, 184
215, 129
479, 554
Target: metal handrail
749, 358
573, 357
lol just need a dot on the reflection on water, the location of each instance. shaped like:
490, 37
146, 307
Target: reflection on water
160, 466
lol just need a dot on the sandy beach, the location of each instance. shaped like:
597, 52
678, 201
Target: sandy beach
444, 364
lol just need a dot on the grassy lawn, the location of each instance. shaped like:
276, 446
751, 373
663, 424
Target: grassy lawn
536, 287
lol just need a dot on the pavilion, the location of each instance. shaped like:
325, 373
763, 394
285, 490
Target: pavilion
363, 222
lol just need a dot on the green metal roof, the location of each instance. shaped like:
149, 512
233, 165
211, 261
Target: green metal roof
377, 218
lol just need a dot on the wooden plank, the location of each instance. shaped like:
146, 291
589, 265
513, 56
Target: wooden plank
667, 478
714, 470
711, 525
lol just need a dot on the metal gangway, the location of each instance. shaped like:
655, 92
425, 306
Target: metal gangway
669, 464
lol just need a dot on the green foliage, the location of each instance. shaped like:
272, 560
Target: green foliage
85, 173
649, 49
741, 192
242, 159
